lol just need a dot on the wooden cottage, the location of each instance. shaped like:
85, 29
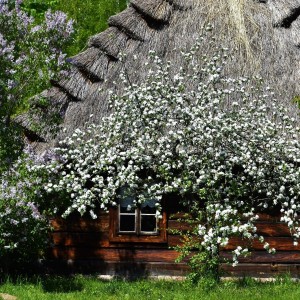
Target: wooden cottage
107, 246
266, 36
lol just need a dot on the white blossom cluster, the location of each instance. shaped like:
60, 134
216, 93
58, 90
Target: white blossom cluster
191, 131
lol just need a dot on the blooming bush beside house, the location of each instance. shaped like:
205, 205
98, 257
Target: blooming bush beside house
30, 55
224, 144
24, 226
26, 210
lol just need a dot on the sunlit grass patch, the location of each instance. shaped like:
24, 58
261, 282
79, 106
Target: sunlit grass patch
81, 288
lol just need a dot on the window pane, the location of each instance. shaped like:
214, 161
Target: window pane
127, 205
148, 207
148, 210
148, 223
127, 223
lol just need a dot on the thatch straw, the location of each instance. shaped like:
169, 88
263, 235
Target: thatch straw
284, 11
246, 26
295, 29
110, 41
131, 23
93, 62
158, 10
181, 4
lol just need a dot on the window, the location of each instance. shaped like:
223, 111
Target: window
140, 221
136, 224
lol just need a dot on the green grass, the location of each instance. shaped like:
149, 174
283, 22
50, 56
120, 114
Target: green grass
90, 288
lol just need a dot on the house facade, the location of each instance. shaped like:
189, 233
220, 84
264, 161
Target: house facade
133, 242
106, 246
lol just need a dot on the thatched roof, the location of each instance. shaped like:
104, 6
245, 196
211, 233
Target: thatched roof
266, 34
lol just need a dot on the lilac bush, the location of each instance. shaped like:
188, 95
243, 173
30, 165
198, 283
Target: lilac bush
26, 209
30, 55
24, 226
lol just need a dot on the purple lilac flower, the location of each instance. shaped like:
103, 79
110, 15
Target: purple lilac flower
36, 28
6, 48
58, 21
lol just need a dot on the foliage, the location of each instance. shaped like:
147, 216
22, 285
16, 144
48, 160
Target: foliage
296, 100
11, 144
30, 55
223, 143
90, 16
25, 211
31, 41
200, 262
23, 223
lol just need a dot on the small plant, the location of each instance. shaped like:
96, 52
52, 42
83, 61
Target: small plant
296, 100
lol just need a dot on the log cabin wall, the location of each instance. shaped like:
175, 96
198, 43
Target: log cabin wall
81, 244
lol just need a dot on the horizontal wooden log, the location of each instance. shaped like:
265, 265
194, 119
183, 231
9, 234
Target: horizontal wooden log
138, 269
273, 218
265, 257
263, 228
101, 240
279, 243
161, 255
127, 269
91, 239
261, 270
78, 224
273, 229
263, 217
178, 225
111, 254
268, 225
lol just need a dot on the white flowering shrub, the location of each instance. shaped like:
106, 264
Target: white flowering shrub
224, 144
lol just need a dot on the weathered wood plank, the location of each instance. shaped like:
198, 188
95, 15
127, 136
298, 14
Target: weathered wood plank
263, 228
92, 239
265, 257
99, 239
178, 225
273, 229
279, 243
127, 269
110, 254
261, 270
78, 224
